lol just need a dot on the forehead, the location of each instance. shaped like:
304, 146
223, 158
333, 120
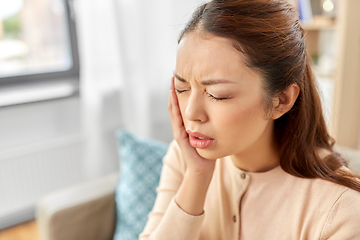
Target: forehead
201, 55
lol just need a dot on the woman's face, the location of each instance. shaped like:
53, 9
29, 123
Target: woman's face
220, 98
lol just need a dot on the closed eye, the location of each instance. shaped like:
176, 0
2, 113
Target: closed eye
180, 91
215, 98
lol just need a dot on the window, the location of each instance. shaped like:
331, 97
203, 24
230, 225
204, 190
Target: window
38, 51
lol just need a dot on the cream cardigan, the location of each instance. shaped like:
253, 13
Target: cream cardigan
273, 205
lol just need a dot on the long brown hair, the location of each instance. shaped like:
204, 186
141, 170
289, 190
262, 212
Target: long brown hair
268, 32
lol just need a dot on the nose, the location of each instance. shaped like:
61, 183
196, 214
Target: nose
195, 110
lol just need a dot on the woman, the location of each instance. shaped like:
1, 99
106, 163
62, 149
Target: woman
252, 157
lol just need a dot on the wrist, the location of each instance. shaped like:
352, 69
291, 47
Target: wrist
192, 192
203, 177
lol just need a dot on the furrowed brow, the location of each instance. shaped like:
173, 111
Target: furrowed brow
180, 78
205, 82
215, 81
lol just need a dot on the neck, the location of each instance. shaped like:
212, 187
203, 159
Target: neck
261, 156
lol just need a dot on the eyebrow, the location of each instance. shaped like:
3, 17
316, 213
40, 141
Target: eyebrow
205, 82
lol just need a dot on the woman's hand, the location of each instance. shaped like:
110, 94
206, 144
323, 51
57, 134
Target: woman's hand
195, 163
192, 192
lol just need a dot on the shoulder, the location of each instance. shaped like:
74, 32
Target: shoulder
343, 219
174, 158
334, 207
348, 200
174, 149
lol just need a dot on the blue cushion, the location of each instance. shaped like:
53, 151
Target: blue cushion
140, 168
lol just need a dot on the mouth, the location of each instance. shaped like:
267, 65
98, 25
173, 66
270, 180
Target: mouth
199, 140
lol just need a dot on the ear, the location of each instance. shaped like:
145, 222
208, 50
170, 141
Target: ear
285, 101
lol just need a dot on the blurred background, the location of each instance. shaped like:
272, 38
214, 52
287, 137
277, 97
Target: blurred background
74, 71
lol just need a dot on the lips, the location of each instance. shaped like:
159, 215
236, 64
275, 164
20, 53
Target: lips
199, 140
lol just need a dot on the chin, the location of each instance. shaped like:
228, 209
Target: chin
209, 154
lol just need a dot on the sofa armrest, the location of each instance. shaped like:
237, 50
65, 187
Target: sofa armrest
82, 212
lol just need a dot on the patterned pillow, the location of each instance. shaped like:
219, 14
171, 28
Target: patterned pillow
140, 168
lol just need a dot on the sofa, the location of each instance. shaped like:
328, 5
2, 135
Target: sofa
88, 211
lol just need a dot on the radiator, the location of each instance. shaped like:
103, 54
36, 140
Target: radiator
29, 172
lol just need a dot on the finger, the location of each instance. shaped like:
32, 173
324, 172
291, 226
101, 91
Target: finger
171, 94
172, 85
176, 120
174, 104
175, 114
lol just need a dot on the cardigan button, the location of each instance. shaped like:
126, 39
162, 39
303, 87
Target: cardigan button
243, 175
234, 218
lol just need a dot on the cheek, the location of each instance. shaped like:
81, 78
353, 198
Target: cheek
234, 117
241, 119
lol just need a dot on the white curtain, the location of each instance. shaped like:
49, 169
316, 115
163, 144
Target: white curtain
100, 83
148, 32
127, 50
